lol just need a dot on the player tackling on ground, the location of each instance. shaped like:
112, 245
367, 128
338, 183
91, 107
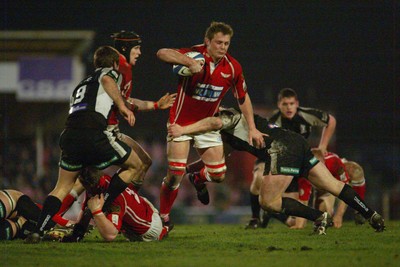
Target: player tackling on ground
286, 155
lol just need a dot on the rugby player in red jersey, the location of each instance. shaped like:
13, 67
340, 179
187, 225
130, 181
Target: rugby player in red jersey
199, 96
130, 213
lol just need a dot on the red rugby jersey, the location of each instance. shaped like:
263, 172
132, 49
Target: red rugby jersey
200, 95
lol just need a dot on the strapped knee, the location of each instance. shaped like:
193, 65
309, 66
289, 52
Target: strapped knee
177, 167
215, 171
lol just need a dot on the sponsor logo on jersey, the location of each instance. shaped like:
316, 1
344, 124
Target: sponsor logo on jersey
107, 163
207, 92
313, 161
289, 170
78, 107
70, 166
224, 75
114, 218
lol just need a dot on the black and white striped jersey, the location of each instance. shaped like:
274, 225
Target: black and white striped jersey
90, 105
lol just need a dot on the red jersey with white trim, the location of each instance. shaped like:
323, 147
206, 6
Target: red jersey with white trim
126, 86
336, 167
129, 210
200, 95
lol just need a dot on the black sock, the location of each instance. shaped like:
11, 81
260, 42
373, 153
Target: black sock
292, 207
81, 227
351, 198
116, 187
6, 230
27, 208
50, 207
255, 206
26, 229
279, 216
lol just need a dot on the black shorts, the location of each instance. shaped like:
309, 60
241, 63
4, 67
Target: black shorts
91, 147
293, 186
289, 154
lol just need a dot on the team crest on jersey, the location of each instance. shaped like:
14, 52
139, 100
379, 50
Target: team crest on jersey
224, 75
303, 129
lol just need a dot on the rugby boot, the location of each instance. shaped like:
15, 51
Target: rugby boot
322, 223
377, 222
201, 189
253, 224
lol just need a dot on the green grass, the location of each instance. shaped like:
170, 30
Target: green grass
220, 245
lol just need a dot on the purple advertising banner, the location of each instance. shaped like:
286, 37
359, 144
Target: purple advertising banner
45, 78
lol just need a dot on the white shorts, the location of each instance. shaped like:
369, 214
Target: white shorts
209, 139
153, 234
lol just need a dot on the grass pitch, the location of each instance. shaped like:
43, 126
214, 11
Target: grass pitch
220, 245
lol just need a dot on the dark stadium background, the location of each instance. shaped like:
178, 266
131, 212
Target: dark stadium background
340, 56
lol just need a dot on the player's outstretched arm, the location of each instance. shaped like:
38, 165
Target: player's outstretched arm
254, 135
165, 102
327, 134
201, 126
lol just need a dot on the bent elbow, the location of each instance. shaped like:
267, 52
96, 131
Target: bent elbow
216, 123
161, 53
109, 237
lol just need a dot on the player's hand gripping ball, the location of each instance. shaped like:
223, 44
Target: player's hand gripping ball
183, 70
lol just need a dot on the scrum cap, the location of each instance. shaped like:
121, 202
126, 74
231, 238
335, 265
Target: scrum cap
124, 41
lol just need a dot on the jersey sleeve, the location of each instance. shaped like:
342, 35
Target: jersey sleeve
117, 212
115, 75
314, 117
239, 86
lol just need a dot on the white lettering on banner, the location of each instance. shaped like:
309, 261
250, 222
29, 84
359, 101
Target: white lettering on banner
44, 90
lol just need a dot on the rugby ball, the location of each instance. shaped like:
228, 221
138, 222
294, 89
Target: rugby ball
183, 70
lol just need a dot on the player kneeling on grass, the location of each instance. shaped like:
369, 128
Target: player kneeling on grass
131, 214
287, 154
